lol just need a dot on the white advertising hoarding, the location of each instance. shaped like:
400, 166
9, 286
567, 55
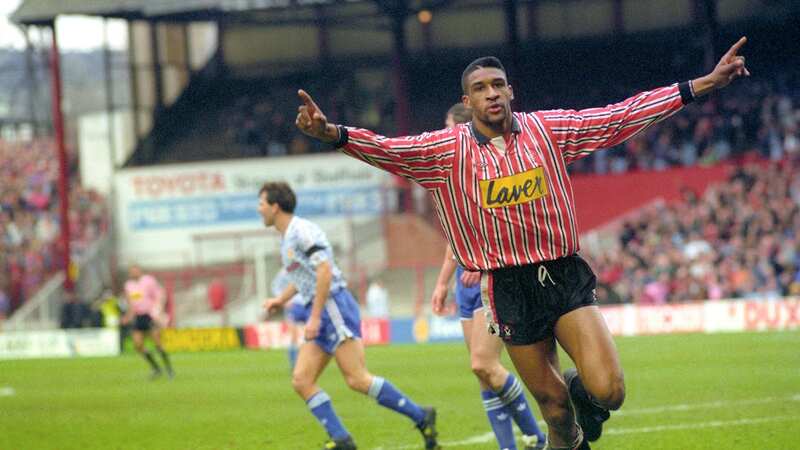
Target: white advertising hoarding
703, 317
160, 208
59, 343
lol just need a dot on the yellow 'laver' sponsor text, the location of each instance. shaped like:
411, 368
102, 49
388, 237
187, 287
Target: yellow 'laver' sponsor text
514, 189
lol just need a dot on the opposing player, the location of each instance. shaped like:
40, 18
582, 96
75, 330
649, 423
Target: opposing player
294, 314
145, 296
502, 394
333, 324
504, 198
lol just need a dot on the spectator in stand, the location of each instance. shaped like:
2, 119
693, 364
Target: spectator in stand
700, 249
29, 225
5, 303
74, 313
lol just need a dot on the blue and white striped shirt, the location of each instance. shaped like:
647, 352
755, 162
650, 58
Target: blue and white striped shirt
303, 248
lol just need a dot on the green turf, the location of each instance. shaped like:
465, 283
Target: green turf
727, 391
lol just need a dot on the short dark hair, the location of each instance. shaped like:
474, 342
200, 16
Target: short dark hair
279, 192
460, 113
482, 62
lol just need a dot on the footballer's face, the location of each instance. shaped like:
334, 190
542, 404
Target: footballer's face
266, 210
489, 96
135, 272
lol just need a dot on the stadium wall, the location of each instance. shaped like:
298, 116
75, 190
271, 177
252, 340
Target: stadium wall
628, 320
160, 209
602, 198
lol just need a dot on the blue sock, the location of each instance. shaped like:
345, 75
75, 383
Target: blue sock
320, 405
387, 395
513, 396
500, 420
292, 355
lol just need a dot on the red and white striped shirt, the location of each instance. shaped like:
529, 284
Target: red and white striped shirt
513, 206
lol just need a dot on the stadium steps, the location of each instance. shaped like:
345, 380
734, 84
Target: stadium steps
411, 242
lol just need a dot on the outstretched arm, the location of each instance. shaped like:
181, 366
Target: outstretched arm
425, 159
579, 133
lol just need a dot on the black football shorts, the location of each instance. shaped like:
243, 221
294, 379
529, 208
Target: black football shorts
523, 303
143, 322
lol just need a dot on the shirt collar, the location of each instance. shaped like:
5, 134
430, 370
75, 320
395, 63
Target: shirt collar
483, 139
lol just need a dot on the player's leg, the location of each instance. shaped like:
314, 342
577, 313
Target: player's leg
138, 343
350, 359
503, 386
295, 316
485, 363
537, 365
294, 341
155, 335
598, 385
341, 324
496, 411
311, 361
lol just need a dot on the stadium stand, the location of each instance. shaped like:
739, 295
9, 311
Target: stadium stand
737, 240
760, 116
29, 223
247, 117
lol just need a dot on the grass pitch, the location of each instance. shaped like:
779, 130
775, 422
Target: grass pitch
730, 391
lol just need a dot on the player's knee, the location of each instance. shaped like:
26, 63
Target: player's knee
485, 369
554, 405
301, 383
553, 402
139, 347
358, 382
613, 393
481, 370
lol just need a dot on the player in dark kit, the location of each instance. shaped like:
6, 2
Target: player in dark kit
504, 198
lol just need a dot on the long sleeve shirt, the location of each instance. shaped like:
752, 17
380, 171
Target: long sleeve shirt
508, 200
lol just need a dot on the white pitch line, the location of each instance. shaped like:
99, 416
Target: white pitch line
489, 437
7, 391
700, 425
708, 405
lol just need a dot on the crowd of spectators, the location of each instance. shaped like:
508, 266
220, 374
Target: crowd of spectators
29, 219
753, 117
257, 126
756, 116
741, 239
260, 120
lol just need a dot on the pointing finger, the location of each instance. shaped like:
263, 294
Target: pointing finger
307, 100
735, 48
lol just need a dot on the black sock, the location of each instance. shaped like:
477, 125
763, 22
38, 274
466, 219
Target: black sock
149, 357
165, 358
